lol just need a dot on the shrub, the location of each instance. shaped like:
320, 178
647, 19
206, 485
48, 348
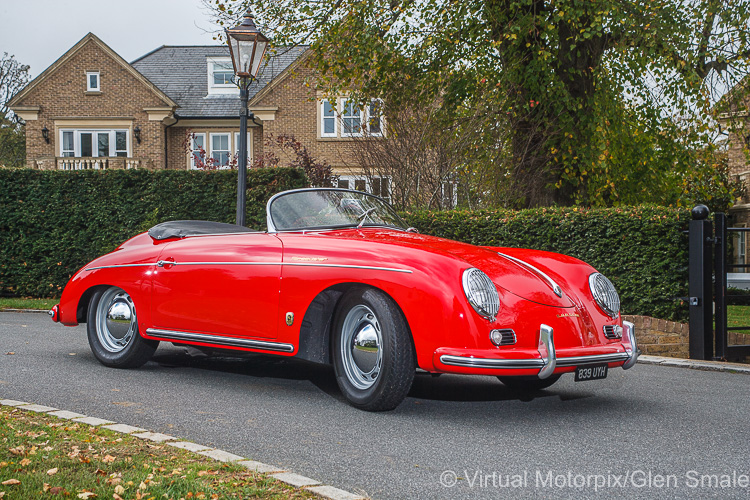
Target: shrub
641, 249
52, 222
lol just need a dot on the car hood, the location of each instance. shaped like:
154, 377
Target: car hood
510, 274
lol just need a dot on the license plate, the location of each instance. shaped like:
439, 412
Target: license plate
591, 372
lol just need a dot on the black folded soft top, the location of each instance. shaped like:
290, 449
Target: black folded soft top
184, 228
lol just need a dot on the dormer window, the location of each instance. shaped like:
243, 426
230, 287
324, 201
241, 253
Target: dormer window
92, 81
220, 76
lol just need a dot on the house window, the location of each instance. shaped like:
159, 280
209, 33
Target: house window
92, 81
220, 76
375, 117
343, 183
220, 149
94, 143
223, 73
67, 145
237, 147
380, 186
351, 119
197, 150
328, 117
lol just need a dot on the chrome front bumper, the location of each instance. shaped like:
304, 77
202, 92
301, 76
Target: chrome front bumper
548, 361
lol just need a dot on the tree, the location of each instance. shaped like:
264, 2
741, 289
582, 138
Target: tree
285, 150
552, 79
13, 77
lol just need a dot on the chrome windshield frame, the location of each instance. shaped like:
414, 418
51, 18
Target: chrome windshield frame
273, 229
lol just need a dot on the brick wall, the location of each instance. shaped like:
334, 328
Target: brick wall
63, 95
298, 115
659, 337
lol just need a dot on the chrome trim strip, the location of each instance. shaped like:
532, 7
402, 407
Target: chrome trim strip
499, 364
555, 287
628, 336
220, 340
519, 364
547, 351
302, 264
591, 359
120, 265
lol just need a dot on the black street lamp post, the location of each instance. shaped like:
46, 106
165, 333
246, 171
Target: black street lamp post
247, 46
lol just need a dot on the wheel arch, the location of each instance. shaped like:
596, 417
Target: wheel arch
82, 309
315, 336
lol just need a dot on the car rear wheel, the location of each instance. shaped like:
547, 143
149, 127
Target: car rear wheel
373, 355
528, 384
112, 326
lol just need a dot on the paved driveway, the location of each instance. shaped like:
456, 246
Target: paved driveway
652, 432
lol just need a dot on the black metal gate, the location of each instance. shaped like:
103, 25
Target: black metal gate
710, 261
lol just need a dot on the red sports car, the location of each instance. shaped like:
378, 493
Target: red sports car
338, 278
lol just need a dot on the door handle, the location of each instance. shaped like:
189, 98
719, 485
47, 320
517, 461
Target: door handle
166, 264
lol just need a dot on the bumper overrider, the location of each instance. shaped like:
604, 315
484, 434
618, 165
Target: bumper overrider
548, 360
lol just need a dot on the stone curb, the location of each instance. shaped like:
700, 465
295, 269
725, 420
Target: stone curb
695, 364
278, 473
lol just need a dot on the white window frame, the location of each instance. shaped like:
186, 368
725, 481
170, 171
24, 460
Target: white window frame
219, 88
236, 148
71, 151
354, 179
98, 87
193, 149
94, 149
228, 151
381, 118
361, 112
324, 117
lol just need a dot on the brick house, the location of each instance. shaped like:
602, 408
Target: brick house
176, 107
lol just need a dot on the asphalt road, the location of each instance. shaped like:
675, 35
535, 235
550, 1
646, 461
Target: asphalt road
651, 432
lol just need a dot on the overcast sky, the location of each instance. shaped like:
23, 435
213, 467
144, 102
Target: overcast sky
38, 32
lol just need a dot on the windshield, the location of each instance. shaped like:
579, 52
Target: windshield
329, 208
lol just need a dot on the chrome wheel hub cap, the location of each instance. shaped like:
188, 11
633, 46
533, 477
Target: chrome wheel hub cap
116, 322
361, 347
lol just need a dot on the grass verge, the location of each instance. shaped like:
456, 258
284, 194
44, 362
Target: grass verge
14, 303
42, 455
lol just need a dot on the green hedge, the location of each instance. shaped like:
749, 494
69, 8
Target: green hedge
641, 249
52, 222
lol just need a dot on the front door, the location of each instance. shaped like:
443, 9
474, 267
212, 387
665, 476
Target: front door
220, 285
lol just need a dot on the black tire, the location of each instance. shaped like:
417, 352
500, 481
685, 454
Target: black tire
112, 326
373, 355
529, 384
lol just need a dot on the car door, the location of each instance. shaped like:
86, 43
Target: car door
219, 285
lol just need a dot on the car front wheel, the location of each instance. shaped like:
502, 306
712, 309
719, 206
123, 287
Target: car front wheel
373, 355
112, 326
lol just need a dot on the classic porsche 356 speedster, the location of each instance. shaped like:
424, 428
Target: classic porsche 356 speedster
338, 278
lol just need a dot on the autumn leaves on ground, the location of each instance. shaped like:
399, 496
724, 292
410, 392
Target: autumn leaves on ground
44, 456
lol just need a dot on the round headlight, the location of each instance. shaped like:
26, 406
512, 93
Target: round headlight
605, 294
481, 293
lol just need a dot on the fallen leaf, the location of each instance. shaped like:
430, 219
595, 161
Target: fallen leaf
109, 459
142, 486
19, 450
25, 462
52, 472
115, 496
87, 494
119, 489
9, 353
57, 490
11, 482
45, 487
100, 472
